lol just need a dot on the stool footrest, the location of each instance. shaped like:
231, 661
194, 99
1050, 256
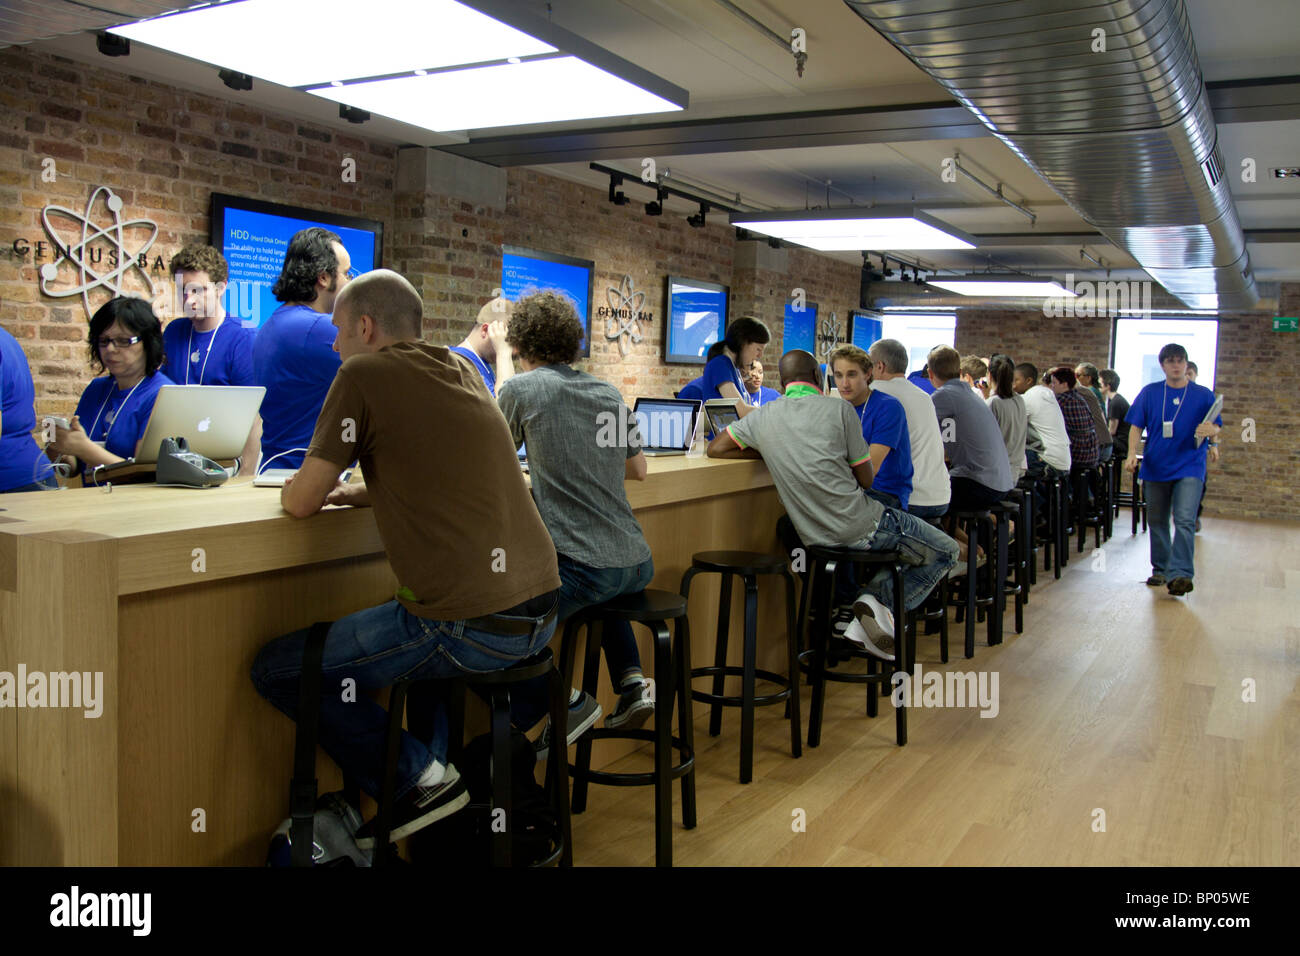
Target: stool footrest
735, 670
628, 779
805, 665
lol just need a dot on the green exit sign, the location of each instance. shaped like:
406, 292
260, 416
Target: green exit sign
1286, 325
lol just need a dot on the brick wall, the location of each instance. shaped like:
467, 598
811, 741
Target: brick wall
1253, 479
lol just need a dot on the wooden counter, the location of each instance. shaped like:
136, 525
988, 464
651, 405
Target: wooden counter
171, 592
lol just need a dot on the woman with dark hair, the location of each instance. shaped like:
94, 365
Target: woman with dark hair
1009, 409
126, 342
695, 387
743, 345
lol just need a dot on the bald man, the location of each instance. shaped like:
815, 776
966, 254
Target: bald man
485, 347
813, 447
398, 405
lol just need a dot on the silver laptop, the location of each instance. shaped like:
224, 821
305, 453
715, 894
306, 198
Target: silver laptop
215, 419
666, 424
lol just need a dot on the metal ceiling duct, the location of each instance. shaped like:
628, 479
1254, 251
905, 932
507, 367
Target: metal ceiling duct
1124, 135
22, 21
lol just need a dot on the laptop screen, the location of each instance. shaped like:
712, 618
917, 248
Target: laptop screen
666, 423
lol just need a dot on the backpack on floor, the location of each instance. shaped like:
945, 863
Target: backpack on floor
465, 838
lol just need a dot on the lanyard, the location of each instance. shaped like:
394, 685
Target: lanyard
1164, 401
116, 413
862, 413
194, 356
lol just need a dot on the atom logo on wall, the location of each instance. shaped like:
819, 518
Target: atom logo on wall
121, 260
624, 315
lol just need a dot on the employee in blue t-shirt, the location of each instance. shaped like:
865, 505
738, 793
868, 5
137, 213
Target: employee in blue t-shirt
203, 345
22, 466
758, 393
694, 389
742, 346
921, 379
293, 353
485, 347
125, 341
1173, 413
884, 426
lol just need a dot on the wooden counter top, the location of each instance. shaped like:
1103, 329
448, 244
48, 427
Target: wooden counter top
242, 530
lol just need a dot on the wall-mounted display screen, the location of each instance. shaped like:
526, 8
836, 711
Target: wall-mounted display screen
254, 235
697, 317
524, 271
865, 329
800, 327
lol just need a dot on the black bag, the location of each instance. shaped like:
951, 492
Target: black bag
465, 838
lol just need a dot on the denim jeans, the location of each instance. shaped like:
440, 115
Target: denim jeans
582, 586
1177, 498
927, 511
928, 554
885, 498
376, 648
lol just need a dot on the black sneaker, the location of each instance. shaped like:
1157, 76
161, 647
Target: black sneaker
1180, 586
420, 807
634, 706
842, 618
1155, 581
583, 713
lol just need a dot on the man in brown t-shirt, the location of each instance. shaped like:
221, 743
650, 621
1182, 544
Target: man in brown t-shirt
475, 566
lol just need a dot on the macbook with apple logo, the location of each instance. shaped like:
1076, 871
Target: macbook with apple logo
214, 419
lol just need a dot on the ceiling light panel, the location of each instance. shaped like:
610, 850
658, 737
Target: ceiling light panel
1002, 286
839, 230
296, 44
535, 91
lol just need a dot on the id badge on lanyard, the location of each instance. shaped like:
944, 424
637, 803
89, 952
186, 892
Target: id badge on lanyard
1168, 430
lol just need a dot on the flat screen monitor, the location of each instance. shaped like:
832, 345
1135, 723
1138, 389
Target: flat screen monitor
524, 271
865, 329
800, 327
253, 236
697, 317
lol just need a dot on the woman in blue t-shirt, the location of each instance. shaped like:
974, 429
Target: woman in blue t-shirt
743, 345
125, 341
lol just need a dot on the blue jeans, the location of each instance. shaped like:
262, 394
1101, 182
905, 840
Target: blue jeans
927, 511
1180, 498
582, 586
885, 498
376, 648
927, 552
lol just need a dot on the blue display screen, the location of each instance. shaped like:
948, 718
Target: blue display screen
866, 331
697, 317
524, 272
800, 328
254, 244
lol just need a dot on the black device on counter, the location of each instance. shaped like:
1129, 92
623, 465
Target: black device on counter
177, 465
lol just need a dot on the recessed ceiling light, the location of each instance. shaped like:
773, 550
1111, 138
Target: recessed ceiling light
837, 230
1002, 286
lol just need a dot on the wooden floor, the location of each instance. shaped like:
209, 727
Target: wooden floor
1117, 699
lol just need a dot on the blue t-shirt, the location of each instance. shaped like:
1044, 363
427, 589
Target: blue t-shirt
693, 389
885, 423
21, 461
119, 415
223, 356
762, 396
922, 381
1168, 459
294, 359
488, 376
719, 371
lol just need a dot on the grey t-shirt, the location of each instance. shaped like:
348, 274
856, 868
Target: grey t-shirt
1014, 425
579, 434
971, 437
810, 444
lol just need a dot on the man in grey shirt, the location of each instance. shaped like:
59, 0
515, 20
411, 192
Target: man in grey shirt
980, 472
820, 464
583, 443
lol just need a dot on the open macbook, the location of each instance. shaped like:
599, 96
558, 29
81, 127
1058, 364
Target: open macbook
666, 424
214, 419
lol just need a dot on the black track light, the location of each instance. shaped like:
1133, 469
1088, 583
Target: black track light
656, 206
110, 44
616, 195
352, 114
697, 221
235, 80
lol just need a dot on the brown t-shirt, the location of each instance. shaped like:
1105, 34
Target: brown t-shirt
461, 530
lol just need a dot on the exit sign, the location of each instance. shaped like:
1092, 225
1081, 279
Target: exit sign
1286, 325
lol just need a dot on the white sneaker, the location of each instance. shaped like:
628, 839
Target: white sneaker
873, 643
883, 617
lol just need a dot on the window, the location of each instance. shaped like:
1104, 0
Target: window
919, 334
1137, 345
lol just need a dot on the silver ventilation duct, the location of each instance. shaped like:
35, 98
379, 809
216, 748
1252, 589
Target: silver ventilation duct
1124, 135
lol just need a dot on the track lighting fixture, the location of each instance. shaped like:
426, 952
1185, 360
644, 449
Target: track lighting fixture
236, 80
112, 45
656, 206
616, 195
697, 221
352, 114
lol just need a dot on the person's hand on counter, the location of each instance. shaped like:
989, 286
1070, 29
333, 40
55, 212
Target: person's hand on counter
344, 494
724, 446
305, 493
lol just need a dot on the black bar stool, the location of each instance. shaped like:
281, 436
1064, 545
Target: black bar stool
822, 563
1085, 517
973, 600
672, 657
1106, 496
934, 611
1056, 548
1029, 532
494, 688
1012, 508
747, 565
